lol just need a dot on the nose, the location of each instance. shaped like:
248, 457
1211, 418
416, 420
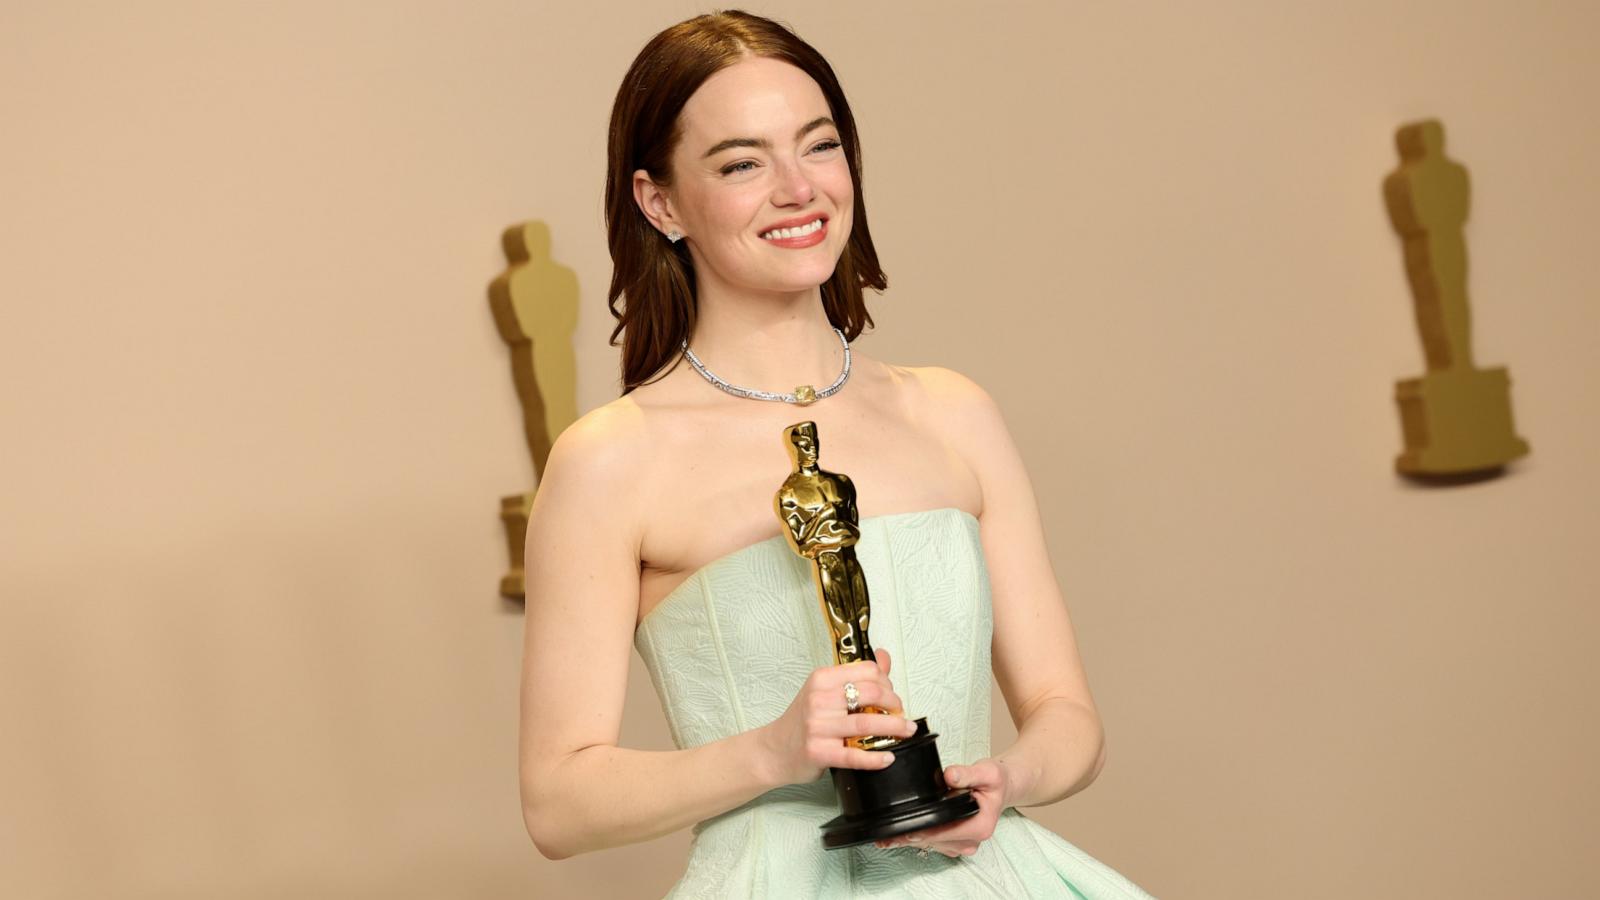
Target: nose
794, 187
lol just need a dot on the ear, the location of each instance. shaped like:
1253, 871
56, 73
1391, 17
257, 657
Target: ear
653, 201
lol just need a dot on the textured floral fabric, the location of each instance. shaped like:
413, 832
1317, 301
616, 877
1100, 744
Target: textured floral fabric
730, 648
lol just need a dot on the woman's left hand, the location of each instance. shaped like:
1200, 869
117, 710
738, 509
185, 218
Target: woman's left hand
987, 780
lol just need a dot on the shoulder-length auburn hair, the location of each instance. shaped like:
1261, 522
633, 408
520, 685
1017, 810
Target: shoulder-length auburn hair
656, 276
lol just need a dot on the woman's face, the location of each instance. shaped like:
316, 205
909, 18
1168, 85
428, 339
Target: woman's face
760, 152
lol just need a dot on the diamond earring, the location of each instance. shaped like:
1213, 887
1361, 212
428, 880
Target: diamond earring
674, 236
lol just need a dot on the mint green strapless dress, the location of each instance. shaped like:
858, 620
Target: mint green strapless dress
731, 646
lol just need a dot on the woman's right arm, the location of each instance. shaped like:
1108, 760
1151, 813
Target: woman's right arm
581, 792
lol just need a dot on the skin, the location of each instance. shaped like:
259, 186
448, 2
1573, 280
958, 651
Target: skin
632, 489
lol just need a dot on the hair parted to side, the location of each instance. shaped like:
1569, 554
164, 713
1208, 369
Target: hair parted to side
655, 277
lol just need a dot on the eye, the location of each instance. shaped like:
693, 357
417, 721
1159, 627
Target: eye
745, 165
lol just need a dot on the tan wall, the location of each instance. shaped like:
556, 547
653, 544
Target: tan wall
256, 421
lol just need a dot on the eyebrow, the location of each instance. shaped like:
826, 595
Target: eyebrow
818, 122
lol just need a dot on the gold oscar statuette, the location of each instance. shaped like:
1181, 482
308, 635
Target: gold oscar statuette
818, 511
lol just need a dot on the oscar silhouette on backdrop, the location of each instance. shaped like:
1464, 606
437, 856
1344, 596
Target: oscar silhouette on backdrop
535, 306
1456, 418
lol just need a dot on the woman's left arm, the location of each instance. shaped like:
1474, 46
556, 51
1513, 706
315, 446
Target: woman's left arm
1060, 746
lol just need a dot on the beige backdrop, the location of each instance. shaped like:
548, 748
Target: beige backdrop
256, 424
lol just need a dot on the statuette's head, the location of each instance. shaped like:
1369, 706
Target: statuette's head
803, 446
1420, 140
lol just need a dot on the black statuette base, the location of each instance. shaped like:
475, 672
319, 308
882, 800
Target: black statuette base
908, 796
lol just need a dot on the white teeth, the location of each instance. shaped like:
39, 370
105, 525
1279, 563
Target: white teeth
802, 231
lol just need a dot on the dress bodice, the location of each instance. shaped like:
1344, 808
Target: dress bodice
731, 646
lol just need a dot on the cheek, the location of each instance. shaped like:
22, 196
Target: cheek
837, 183
840, 189
733, 213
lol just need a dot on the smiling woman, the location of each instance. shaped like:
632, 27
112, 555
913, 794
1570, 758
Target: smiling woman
736, 223
673, 115
728, 198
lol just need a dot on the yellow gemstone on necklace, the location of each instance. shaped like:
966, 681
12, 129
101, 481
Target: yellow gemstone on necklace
805, 395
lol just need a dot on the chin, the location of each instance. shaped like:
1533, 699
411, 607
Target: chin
790, 279
794, 286
814, 275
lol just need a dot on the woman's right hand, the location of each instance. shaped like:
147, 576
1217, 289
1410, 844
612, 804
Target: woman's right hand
808, 738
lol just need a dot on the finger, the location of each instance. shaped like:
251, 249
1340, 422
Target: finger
948, 848
952, 847
855, 758
920, 841
959, 830
883, 698
867, 725
971, 776
861, 671
882, 695
872, 694
883, 660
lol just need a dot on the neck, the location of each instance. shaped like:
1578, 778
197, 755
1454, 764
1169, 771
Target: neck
767, 341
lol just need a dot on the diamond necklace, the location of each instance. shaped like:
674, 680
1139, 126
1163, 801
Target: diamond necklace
804, 395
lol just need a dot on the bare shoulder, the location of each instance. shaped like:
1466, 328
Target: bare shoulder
971, 424
591, 466
952, 397
601, 439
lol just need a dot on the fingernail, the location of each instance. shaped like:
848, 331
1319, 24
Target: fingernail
888, 757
